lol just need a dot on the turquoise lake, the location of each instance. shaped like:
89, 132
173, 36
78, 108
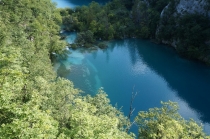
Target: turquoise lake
156, 72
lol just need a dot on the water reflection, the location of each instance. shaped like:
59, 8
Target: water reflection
190, 79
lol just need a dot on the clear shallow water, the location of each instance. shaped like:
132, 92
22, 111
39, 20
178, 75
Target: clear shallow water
156, 72
74, 3
64, 4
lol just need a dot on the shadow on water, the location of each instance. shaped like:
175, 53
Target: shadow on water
192, 85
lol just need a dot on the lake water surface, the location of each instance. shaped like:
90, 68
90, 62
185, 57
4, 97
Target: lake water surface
156, 72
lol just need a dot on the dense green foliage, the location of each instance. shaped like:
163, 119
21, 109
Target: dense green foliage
105, 22
34, 103
166, 123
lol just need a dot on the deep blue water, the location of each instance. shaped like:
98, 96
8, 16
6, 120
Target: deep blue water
156, 72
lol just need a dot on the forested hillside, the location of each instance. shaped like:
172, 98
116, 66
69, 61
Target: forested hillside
35, 103
182, 24
185, 25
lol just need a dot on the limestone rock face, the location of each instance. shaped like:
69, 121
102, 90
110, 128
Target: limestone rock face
192, 6
182, 7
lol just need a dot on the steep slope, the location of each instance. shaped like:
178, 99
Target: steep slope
183, 24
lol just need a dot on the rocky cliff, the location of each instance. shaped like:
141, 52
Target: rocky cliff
183, 24
193, 6
190, 25
179, 8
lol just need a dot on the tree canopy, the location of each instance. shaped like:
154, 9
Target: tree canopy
166, 123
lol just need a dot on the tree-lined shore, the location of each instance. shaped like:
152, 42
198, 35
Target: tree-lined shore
157, 20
